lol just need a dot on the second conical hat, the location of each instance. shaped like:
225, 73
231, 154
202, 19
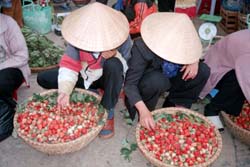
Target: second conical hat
172, 36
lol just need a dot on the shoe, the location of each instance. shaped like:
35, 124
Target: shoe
5, 136
108, 129
217, 122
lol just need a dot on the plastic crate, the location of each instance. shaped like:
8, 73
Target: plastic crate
242, 21
229, 22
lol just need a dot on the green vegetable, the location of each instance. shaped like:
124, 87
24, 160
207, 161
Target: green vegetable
60, 20
168, 117
42, 51
126, 117
127, 150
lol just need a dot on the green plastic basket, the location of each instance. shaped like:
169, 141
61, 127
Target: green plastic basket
210, 18
37, 17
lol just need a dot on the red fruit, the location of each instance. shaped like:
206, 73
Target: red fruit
50, 123
180, 138
39, 126
84, 131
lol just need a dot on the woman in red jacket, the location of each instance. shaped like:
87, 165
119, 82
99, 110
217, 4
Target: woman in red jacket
92, 59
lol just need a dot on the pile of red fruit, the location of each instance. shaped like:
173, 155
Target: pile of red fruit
243, 120
180, 139
44, 123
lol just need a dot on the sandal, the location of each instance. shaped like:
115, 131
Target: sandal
108, 129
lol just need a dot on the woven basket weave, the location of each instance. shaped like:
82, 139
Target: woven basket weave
40, 69
173, 110
62, 148
240, 133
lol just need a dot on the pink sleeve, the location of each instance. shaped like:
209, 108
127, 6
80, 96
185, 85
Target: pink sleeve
16, 45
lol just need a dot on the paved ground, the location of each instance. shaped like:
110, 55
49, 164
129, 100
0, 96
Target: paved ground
14, 152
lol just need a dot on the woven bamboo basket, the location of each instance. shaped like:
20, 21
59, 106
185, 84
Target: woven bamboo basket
40, 69
173, 110
240, 133
68, 147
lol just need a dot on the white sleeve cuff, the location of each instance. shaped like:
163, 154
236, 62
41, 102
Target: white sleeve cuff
67, 79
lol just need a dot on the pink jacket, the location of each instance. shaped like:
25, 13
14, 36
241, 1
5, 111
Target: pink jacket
231, 52
14, 52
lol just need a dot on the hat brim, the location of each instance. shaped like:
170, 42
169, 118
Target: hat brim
95, 27
172, 36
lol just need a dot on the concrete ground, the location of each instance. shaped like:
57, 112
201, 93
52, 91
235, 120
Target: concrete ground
14, 152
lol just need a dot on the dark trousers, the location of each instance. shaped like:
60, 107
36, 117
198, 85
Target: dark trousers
102, 1
111, 81
181, 92
166, 5
10, 80
184, 93
230, 97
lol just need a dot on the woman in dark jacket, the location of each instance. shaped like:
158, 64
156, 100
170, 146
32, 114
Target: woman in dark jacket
165, 59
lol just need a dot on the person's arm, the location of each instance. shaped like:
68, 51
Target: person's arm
137, 66
142, 9
125, 48
17, 46
146, 118
70, 66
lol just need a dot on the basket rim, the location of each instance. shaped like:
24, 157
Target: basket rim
173, 110
226, 116
81, 2
89, 134
39, 69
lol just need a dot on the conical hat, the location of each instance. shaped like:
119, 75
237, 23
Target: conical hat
172, 36
95, 27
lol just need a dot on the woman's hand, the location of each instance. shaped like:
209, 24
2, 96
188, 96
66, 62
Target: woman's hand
190, 71
108, 54
62, 100
146, 118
